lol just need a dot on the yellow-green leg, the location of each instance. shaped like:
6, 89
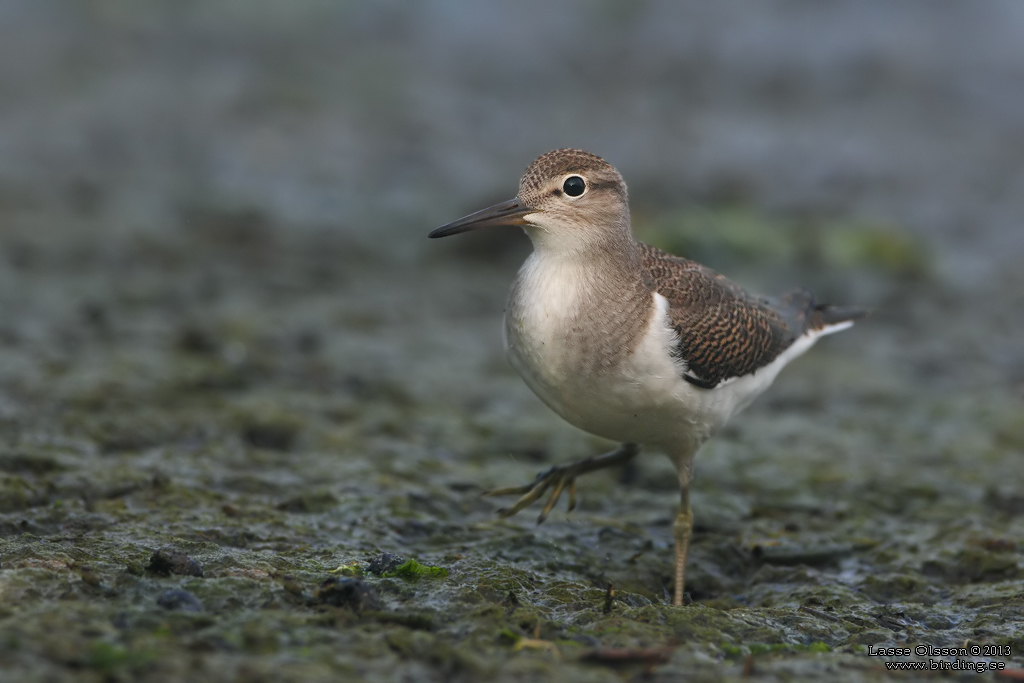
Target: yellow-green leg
682, 529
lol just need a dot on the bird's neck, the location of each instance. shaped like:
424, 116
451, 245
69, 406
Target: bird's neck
579, 308
597, 272
606, 255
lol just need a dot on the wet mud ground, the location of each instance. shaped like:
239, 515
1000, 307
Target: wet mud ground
208, 443
247, 409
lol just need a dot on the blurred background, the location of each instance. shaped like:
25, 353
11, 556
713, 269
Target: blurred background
222, 325
375, 118
365, 125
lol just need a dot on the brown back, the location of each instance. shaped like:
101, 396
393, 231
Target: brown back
723, 330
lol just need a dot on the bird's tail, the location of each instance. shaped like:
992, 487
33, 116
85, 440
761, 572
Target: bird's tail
804, 316
828, 318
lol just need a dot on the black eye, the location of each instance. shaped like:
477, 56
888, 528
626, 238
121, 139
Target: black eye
574, 186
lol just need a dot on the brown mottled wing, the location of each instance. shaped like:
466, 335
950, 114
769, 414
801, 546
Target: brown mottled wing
723, 331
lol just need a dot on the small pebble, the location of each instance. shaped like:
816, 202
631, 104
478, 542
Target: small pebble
354, 594
180, 601
167, 561
385, 562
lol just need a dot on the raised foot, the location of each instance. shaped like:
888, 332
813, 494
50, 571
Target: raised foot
561, 477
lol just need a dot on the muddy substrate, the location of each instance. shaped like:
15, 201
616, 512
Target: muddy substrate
209, 443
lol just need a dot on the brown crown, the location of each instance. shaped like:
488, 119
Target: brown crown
558, 163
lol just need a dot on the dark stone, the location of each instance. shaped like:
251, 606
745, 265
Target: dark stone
274, 436
354, 594
197, 340
974, 565
385, 562
315, 501
308, 341
180, 601
167, 561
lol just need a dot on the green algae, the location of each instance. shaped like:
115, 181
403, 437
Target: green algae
412, 570
741, 651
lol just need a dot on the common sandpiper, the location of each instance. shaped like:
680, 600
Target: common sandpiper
626, 341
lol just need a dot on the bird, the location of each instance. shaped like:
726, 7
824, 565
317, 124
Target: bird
626, 341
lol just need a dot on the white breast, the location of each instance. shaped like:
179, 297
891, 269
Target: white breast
537, 342
545, 345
